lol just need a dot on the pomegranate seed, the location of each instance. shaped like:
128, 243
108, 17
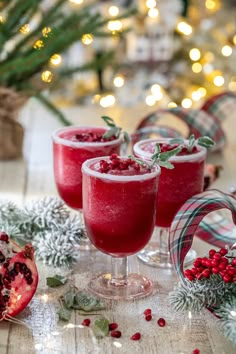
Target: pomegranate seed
86, 322
211, 253
147, 312
196, 351
136, 336
113, 326
116, 334
113, 156
161, 322
223, 251
148, 317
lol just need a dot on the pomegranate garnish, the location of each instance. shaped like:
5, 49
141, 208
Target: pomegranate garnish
161, 322
136, 336
196, 351
147, 312
148, 317
113, 326
18, 277
116, 334
86, 322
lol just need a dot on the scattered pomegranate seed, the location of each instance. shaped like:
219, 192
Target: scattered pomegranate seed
161, 322
86, 322
116, 334
196, 351
147, 312
113, 326
136, 336
148, 317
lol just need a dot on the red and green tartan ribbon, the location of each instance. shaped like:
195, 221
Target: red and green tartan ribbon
203, 121
186, 222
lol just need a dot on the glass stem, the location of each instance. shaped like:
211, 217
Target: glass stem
164, 239
119, 271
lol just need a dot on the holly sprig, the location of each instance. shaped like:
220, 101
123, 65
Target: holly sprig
204, 141
159, 158
114, 130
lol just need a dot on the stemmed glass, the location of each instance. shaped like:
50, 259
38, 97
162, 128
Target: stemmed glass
175, 187
69, 153
119, 213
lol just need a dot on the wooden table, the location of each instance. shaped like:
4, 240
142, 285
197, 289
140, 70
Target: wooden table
32, 177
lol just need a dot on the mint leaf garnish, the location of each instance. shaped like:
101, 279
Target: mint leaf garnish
166, 164
64, 314
56, 280
101, 327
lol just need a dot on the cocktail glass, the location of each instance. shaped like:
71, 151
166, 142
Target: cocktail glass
68, 156
175, 187
119, 213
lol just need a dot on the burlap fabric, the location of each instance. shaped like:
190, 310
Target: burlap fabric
11, 131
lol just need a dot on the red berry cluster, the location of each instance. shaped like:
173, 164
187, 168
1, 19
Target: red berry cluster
116, 163
91, 137
184, 151
217, 263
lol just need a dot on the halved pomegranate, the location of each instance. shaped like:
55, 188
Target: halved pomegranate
18, 276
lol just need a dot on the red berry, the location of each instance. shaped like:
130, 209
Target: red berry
188, 272
234, 262
196, 351
231, 271
204, 261
148, 317
116, 334
215, 262
161, 322
222, 273
215, 270
147, 312
86, 322
194, 271
211, 253
222, 266
206, 273
209, 263
225, 260
136, 336
227, 278
223, 251
190, 277
217, 256
113, 326
199, 276
197, 262
113, 156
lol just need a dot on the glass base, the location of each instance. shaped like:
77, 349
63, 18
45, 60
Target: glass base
152, 256
136, 286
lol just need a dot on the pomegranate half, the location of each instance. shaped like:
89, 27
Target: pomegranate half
18, 276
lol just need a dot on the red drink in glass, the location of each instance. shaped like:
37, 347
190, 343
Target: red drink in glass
119, 212
69, 154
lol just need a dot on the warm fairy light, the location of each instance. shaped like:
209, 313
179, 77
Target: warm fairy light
25, 28
234, 39
87, 39
209, 57
232, 84
208, 68
44, 297
107, 101
226, 50
96, 98
158, 95
153, 13
115, 25
219, 81
186, 103
38, 44
55, 59
203, 91
2, 19
46, 31
196, 95
118, 81
155, 88
113, 10
184, 28
172, 105
77, 2
150, 100
196, 68
151, 3
210, 4
47, 76
195, 54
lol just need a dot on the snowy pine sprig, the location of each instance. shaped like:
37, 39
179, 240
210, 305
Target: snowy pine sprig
227, 314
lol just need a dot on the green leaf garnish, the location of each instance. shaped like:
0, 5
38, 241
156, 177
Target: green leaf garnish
87, 302
101, 327
166, 164
202, 141
165, 156
114, 130
64, 313
205, 141
68, 297
109, 121
55, 281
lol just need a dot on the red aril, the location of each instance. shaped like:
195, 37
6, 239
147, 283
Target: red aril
18, 277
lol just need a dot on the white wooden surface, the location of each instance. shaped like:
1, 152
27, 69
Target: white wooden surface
32, 177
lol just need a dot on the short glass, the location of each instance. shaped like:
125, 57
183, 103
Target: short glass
68, 156
119, 215
175, 187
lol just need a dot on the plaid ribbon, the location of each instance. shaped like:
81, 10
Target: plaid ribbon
203, 121
186, 223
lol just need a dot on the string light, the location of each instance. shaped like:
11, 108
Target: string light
153, 13
46, 31
232, 84
107, 101
113, 11
196, 68
55, 59
234, 39
208, 68
210, 4
25, 28
77, 2
114, 25
196, 95
118, 81
172, 105
87, 39
155, 88
38, 44
186, 103
219, 81
184, 28
151, 3
203, 91
150, 100
47, 76
195, 54
226, 50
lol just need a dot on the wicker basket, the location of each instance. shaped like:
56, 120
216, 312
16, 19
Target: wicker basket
11, 131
